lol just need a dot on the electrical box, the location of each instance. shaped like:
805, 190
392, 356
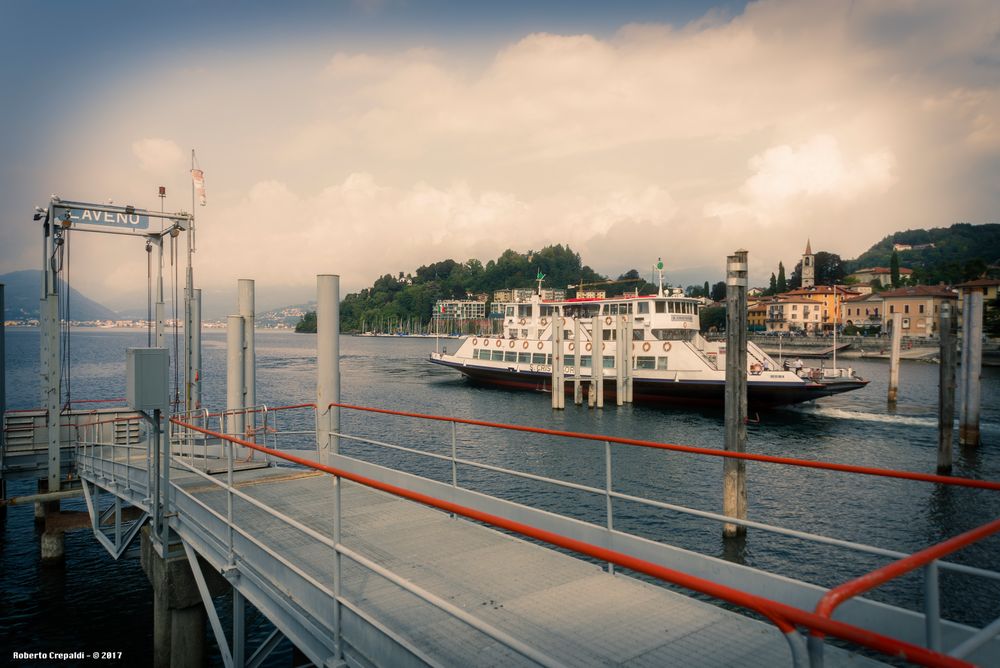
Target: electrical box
147, 382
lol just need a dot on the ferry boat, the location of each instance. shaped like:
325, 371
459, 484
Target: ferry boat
668, 359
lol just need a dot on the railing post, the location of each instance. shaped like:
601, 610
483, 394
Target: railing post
229, 499
607, 495
932, 606
454, 465
328, 417
247, 313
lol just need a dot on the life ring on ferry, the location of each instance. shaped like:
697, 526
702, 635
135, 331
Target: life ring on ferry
666, 346
539, 345
572, 346
588, 346
499, 343
512, 343
521, 321
543, 322
525, 346
645, 347
475, 342
608, 320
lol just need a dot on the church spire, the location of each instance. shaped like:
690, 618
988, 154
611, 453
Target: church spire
808, 248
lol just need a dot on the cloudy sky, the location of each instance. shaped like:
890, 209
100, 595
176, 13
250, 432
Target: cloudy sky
375, 136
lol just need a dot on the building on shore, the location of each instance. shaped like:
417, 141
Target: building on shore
459, 309
830, 298
881, 274
794, 314
920, 307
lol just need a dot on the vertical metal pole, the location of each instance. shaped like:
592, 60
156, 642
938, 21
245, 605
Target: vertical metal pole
734, 499
235, 424
327, 416
607, 495
577, 367
932, 607
946, 389
897, 335
160, 306
968, 427
196, 350
51, 388
597, 361
454, 450
239, 628
192, 326
247, 312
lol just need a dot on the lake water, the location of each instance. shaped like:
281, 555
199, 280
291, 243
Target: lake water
95, 603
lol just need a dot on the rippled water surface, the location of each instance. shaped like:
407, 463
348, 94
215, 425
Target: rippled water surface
96, 602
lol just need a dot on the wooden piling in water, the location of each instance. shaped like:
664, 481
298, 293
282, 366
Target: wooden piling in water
897, 335
972, 363
946, 389
734, 491
619, 360
630, 357
558, 375
597, 362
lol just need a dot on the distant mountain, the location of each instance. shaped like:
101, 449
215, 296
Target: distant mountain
941, 254
21, 296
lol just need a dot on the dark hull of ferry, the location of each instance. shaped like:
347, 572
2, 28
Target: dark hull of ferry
759, 394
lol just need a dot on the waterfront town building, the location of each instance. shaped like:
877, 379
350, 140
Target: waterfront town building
920, 306
987, 286
882, 274
794, 314
830, 297
862, 311
459, 309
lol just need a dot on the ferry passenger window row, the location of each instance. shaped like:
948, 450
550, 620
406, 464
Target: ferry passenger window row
643, 307
538, 358
524, 358
510, 356
681, 307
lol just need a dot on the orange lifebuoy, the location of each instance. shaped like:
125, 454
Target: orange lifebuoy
499, 343
604, 346
572, 346
543, 322
512, 343
608, 320
475, 342
539, 345
525, 346
645, 347
589, 347
666, 347
521, 321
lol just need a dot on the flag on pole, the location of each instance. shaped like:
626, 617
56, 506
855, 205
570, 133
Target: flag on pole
198, 178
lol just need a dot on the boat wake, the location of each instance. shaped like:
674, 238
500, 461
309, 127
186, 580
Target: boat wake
842, 414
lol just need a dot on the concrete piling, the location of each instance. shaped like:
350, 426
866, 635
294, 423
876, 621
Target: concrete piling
629, 357
972, 363
577, 367
235, 380
734, 491
897, 336
558, 382
597, 362
620, 344
53, 547
946, 389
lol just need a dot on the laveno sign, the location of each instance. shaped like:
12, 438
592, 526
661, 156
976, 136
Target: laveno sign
133, 221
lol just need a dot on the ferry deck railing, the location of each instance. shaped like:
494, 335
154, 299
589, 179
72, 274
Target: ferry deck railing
785, 616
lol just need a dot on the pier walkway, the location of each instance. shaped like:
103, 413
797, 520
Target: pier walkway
408, 584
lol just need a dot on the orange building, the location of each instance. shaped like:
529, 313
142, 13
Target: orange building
831, 299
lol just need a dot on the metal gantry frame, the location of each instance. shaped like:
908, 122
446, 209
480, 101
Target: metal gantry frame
53, 239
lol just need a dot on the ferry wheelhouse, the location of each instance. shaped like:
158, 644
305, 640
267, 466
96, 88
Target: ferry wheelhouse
667, 357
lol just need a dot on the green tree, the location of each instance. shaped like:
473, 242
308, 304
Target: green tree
307, 324
772, 288
894, 269
719, 291
705, 290
712, 319
782, 283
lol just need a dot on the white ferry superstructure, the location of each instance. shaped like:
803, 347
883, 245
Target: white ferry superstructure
670, 360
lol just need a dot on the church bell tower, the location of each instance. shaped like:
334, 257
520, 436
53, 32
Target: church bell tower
808, 267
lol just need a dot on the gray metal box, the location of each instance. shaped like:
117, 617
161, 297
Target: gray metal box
147, 378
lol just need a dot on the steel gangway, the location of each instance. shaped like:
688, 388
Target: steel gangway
359, 562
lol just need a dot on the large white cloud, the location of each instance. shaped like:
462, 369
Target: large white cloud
838, 122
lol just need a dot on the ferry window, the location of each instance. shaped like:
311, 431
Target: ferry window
547, 311
498, 356
510, 356
524, 311
613, 309
524, 333
672, 308
643, 307
538, 358
660, 334
512, 333
661, 307
510, 311
567, 334
548, 360
484, 354
570, 360
584, 361
609, 361
625, 308
638, 334
645, 362
661, 363
524, 358
609, 334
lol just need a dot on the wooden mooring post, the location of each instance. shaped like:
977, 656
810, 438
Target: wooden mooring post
946, 389
972, 364
897, 335
734, 490
577, 367
597, 362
